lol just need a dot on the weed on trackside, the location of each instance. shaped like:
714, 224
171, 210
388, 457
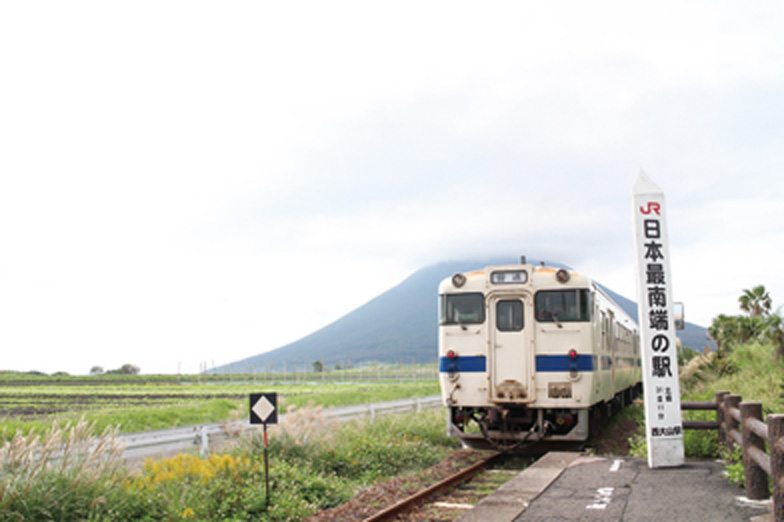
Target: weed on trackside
314, 465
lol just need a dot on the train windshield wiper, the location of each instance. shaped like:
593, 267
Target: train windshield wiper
556, 321
459, 322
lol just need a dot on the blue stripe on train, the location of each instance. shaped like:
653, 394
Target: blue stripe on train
544, 363
564, 363
475, 363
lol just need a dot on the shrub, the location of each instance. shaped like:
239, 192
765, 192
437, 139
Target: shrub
338, 460
216, 487
733, 467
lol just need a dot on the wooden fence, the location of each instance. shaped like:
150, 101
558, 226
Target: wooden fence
740, 423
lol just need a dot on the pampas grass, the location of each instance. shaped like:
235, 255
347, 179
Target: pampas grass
38, 472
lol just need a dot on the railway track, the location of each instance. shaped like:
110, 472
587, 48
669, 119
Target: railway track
457, 493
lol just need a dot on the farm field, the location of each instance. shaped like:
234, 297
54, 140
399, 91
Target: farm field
143, 402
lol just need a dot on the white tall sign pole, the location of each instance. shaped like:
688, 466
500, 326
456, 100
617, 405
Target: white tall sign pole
663, 421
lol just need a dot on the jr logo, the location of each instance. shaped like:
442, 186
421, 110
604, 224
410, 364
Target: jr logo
652, 207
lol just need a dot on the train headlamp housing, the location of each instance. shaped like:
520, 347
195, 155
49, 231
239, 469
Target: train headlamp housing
458, 280
574, 369
559, 390
452, 367
562, 275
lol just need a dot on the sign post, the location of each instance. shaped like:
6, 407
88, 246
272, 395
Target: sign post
264, 410
663, 421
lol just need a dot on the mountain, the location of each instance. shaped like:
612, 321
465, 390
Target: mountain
400, 325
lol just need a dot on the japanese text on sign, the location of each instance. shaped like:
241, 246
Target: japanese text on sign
656, 279
657, 327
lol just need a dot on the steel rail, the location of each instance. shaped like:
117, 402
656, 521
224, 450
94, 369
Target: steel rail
420, 497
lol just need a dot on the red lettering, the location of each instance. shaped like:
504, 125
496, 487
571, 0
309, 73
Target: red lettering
652, 206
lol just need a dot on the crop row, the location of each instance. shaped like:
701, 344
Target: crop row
151, 406
34, 406
363, 372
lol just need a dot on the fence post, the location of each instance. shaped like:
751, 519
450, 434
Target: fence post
205, 443
755, 477
730, 401
720, 416
775, 433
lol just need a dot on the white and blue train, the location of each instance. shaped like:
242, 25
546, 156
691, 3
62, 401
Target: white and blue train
530, 353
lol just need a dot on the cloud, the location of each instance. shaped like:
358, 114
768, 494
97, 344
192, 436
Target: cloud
186, 183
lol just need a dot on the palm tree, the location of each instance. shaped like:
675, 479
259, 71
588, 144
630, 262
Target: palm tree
775, 333
756, 301
720, 330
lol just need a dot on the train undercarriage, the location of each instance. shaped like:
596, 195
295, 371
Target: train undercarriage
510, 427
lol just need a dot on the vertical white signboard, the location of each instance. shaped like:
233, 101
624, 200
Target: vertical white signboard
663, 421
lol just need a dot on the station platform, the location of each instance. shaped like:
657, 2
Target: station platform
565, 486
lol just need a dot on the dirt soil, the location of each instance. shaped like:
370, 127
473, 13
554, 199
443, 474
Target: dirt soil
613, 439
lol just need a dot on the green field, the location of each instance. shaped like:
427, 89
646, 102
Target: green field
57, 472
142, 402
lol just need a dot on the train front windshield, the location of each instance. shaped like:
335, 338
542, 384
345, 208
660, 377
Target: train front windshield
562, 306
462, 308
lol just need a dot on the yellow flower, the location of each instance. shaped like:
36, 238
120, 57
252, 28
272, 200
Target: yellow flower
188, 513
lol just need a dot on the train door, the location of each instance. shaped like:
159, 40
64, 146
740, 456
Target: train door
512, 350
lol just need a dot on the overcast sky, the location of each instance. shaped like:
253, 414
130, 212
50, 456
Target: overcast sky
197, 182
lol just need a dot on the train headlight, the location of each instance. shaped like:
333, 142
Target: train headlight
559, 390
562, 275
458, 280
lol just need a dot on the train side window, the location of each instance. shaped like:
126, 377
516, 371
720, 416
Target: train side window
466, 308
509, 315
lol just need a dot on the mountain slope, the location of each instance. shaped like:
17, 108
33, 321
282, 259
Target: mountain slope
400, 325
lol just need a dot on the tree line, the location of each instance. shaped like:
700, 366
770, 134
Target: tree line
757, 323
125, 369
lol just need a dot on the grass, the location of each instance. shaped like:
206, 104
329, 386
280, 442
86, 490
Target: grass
362, 451
749, 370
364, 372
314, 465
49, 471
61, 476
137, 403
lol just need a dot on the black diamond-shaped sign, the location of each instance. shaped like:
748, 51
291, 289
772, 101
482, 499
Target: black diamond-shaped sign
263, 408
